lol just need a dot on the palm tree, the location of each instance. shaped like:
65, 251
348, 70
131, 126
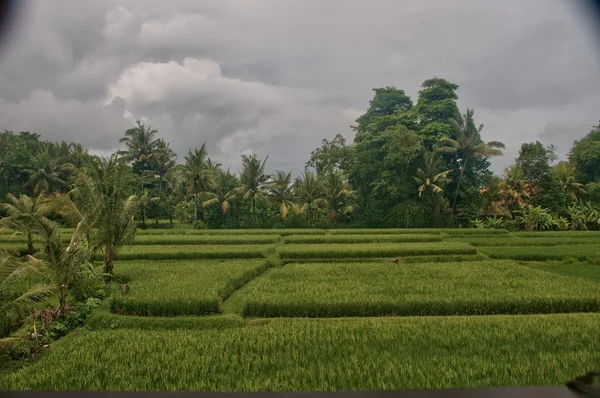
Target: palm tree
252, 178
65, 265
141, 142
468, 145
101, 205
22, 214
164, 160
16, 303
514, 186
432, 176
565, 174
225, 184
46, 173
309, 189
280, 189
336, 191
199, 177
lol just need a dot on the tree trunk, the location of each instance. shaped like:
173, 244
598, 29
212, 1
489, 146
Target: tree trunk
462, 171
195, 204
143, 216
62, 299
109, 259
30, 249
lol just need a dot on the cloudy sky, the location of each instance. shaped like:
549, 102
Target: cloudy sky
276, 76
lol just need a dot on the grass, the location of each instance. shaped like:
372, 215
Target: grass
356, 238
282, 232
323, 355
174, 288
206, 239
292, 251
541, 253
378, 289
517, 241
444, 258
371, 231
474, 231
558, 234
189, 252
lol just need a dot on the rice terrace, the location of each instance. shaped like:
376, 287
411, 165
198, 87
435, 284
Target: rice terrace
314, 309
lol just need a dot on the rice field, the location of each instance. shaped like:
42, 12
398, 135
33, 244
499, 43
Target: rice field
347, 309
323, 355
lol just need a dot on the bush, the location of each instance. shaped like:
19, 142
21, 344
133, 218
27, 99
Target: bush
199, 224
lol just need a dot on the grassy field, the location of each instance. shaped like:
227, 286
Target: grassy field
170, 288
315, 309
379, 289
308, 355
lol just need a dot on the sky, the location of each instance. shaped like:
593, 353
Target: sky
275, 77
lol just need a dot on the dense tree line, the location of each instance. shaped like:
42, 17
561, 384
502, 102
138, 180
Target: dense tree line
410, 165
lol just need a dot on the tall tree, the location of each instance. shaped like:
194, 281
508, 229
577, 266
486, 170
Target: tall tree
435, 109
163, 161
141, 142
252, 179
226, 183
102, 205
467, 146
388, 108
308, 189
199, 177
280, 190
23, 214
514, 187
535, 159
565, 173
332, 156
46, 173
338, 194
432, 176
585, 157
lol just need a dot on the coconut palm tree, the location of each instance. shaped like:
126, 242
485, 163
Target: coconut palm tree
65, 265
337, 192
225, 184
432, 176
141, 142
46, 173
565, 174
308, 188
101, 204
15, 302
280, 190
22, 214
199, 177
252, 179
163, 159
514, 187
468, 145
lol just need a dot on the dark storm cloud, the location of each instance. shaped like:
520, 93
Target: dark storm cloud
276, 76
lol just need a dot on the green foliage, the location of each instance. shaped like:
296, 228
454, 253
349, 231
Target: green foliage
21, 287
585, 156
199, 224
181, 288
332, 156
324, 355
535, 160
372, 250
584, 217
376, 289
